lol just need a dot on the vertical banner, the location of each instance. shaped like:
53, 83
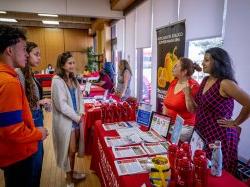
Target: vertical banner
170, 47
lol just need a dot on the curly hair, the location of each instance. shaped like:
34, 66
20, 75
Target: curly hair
189, 65
126, 66
29, 81
10, 36
61, 60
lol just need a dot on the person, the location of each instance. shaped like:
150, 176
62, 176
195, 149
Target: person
105, 81
109, 69
34, 94
215, 104
178, 99
49, 69
18, 134
124, 78
86, 71
67, 127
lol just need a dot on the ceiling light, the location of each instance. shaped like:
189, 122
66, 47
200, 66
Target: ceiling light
51, 22
48, 15
3, 12
7, 20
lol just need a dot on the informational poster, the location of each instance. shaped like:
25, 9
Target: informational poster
170, 47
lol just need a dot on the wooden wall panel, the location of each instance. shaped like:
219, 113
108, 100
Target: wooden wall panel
54, 44
75, 40
35, 34
81, 60
53, 41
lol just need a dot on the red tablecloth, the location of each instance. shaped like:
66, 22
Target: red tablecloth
103, 163
44, 79
94, 90
90, 117
93, 114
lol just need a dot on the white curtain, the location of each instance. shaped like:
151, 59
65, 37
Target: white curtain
130, 46
203, 18
144, 25
236, 42
120, 35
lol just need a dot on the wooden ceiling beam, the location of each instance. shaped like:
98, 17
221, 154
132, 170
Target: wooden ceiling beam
120, 4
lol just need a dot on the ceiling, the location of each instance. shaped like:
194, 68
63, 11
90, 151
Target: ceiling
32, 19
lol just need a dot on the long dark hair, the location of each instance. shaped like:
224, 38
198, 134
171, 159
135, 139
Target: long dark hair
28, 75
126, 66
189, 65
222, 68
61, 60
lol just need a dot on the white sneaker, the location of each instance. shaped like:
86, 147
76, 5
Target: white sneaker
70, 185
79, 175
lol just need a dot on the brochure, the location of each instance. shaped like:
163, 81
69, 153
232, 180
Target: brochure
126, 132
128, 166
150, 136
116, 141
114, 126
130, 151
154, 148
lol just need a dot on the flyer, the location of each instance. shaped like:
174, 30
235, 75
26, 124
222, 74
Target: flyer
128, 166
130, 151
154, 148
114, 126
116, 141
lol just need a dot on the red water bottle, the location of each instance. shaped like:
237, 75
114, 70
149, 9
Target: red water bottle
185, 178
125, 109
120, 111
199, 153
172, 152
187, 148
179, 155
114, 112
200, 171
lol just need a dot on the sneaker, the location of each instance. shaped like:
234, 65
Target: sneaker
79, 175
70, 185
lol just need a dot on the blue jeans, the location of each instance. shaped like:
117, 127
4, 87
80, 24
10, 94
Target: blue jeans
37, 158
19, 173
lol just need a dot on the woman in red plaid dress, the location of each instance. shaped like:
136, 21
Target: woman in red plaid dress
215, 104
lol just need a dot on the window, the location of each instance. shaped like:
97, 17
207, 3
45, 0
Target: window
196, 51
145, 63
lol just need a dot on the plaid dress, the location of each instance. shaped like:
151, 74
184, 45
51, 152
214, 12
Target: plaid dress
211, 107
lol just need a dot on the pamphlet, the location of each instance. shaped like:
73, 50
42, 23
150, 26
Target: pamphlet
150, 136
114, 126
154, 148
116, 141
130, 151
126, 132
128, 166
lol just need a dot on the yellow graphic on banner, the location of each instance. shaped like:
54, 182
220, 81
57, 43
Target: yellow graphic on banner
165, 74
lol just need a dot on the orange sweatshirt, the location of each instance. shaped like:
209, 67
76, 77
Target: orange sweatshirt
18, 135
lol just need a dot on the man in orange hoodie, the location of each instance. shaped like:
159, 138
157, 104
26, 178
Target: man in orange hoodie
18, 135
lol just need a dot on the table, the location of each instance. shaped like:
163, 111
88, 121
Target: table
44, 79
103, 164
93, 114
